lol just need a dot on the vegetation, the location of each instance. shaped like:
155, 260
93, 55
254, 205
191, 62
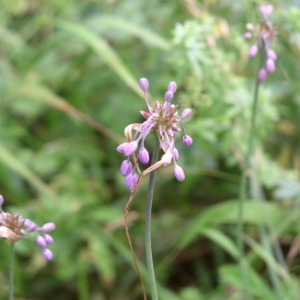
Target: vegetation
69, 86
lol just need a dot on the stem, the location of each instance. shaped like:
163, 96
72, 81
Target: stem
148, 226
243, 189
11, 272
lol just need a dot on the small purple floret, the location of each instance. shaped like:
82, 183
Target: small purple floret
131, 180
143, 155
262, 75
130, 148
253, 50
187, 140
270, 65
172, 87
48, 239
48, 254
144, 84
1, 200
126, 167
41, 242
169, 95
266, 9
48, 227
179, 173
186, 113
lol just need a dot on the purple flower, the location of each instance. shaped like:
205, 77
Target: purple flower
126, 167
144, 84
265, 34
164, 120
262, 75
187, 140
179, 173
48, 254
143, 155
131, 180
14, 227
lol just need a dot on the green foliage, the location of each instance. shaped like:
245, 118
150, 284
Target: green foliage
69, 85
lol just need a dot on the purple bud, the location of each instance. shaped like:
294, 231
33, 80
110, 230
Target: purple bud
172, 87
270, 65
126, 167
130, 148
48, 227
186, 113
169, 96
262, 75
121, 147
253, 50
144, 84
187, 140
1, 200
31, 226
272, 54
143, 155
266, 9
247, 35
131, 180
175, 154
48, 254
179, 174
41, 242
48, 239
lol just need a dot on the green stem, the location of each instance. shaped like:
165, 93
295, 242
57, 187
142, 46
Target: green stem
148, 226
244, 188
11, 272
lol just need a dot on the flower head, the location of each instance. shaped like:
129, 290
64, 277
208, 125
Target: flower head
13, 227
163, 119
264, 34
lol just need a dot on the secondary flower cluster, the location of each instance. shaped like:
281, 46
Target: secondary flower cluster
14, 227
265, 34
163, 119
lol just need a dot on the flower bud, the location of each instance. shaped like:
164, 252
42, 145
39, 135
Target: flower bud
262, 75
131, 180
179, 173
186, 113
1, 200
144, 84
253, 50
41, 242
48, 227
48, 239
143, 155
272, 54
130, 148
48, 254
169, 96
175, 154
187, 140
172, 87
270, 65
247, 35
266, 9
126, 167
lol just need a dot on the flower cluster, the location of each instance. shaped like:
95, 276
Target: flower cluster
163, 119
14, 227
265, 34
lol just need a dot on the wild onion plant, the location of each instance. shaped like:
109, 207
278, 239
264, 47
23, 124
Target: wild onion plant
164, 120
264, 35
13, 227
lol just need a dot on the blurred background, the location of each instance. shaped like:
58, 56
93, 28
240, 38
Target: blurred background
68, 88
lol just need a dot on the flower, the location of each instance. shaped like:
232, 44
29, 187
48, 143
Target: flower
265, 34
13, 227
163, 119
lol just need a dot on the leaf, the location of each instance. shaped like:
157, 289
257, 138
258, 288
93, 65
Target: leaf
149, 37
103, 49
227, 213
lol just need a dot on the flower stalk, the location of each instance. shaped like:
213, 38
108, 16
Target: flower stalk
148, 247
